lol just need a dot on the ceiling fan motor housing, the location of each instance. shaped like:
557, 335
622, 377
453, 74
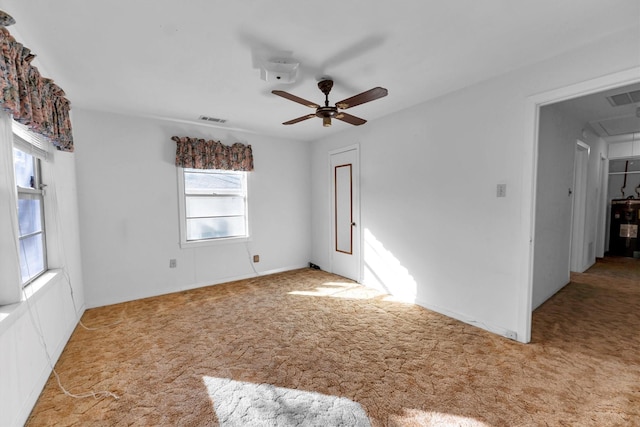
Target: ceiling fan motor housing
323, 112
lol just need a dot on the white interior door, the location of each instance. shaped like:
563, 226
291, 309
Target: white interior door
345, 213
578, 227
601, 227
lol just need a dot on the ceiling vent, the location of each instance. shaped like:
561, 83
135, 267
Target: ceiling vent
212, 119
625, 98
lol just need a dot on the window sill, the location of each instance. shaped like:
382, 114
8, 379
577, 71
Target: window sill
214, 242
32, 292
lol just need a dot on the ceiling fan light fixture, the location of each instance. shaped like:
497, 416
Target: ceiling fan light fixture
326, 121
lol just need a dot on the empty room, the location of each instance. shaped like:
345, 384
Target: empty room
285, 213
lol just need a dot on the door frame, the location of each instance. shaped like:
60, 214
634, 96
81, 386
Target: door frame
357, 237
603, 213
529, 176
577, 250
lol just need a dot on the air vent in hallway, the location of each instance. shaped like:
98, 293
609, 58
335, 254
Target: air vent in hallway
625, 98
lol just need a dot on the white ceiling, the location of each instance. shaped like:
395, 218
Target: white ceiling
180, 60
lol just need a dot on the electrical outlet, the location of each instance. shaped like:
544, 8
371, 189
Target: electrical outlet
173, 263
256, 258
501, 190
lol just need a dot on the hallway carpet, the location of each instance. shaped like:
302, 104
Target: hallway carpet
309, 331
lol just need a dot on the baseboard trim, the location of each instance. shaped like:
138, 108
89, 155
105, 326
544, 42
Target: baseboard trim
498, 330
241, 277
548, 296
203, 284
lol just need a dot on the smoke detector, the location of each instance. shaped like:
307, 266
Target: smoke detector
279, 70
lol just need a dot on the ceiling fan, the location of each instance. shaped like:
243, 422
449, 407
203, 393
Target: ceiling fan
327, 112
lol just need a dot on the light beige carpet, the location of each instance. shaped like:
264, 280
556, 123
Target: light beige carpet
312, 332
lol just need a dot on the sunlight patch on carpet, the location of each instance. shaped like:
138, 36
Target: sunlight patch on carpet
434, 419
340, 290
239, 403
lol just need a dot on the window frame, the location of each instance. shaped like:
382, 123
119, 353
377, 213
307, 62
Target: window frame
35, 192
182, 210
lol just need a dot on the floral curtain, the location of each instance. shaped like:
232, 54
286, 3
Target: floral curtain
200, 154
33, 100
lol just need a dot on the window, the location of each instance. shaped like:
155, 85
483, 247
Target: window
33, 261
213, 205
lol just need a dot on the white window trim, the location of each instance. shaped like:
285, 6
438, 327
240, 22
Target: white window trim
23, 145
182, 215
32, 292
29, 142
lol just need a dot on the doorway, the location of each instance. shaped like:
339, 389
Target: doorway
579, 254
345, 212
543, 262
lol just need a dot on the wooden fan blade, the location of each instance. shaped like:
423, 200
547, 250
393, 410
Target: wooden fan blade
294, 98
361, 98
348, 118
299, 119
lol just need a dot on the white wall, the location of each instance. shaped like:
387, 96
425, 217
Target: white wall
24, 368
557, 138
129, 209
428, 188
624, 146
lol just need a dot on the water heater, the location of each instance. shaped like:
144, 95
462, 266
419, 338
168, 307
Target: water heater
625, 221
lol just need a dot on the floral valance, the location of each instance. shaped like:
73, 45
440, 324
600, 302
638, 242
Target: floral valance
33, 100
200, 154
